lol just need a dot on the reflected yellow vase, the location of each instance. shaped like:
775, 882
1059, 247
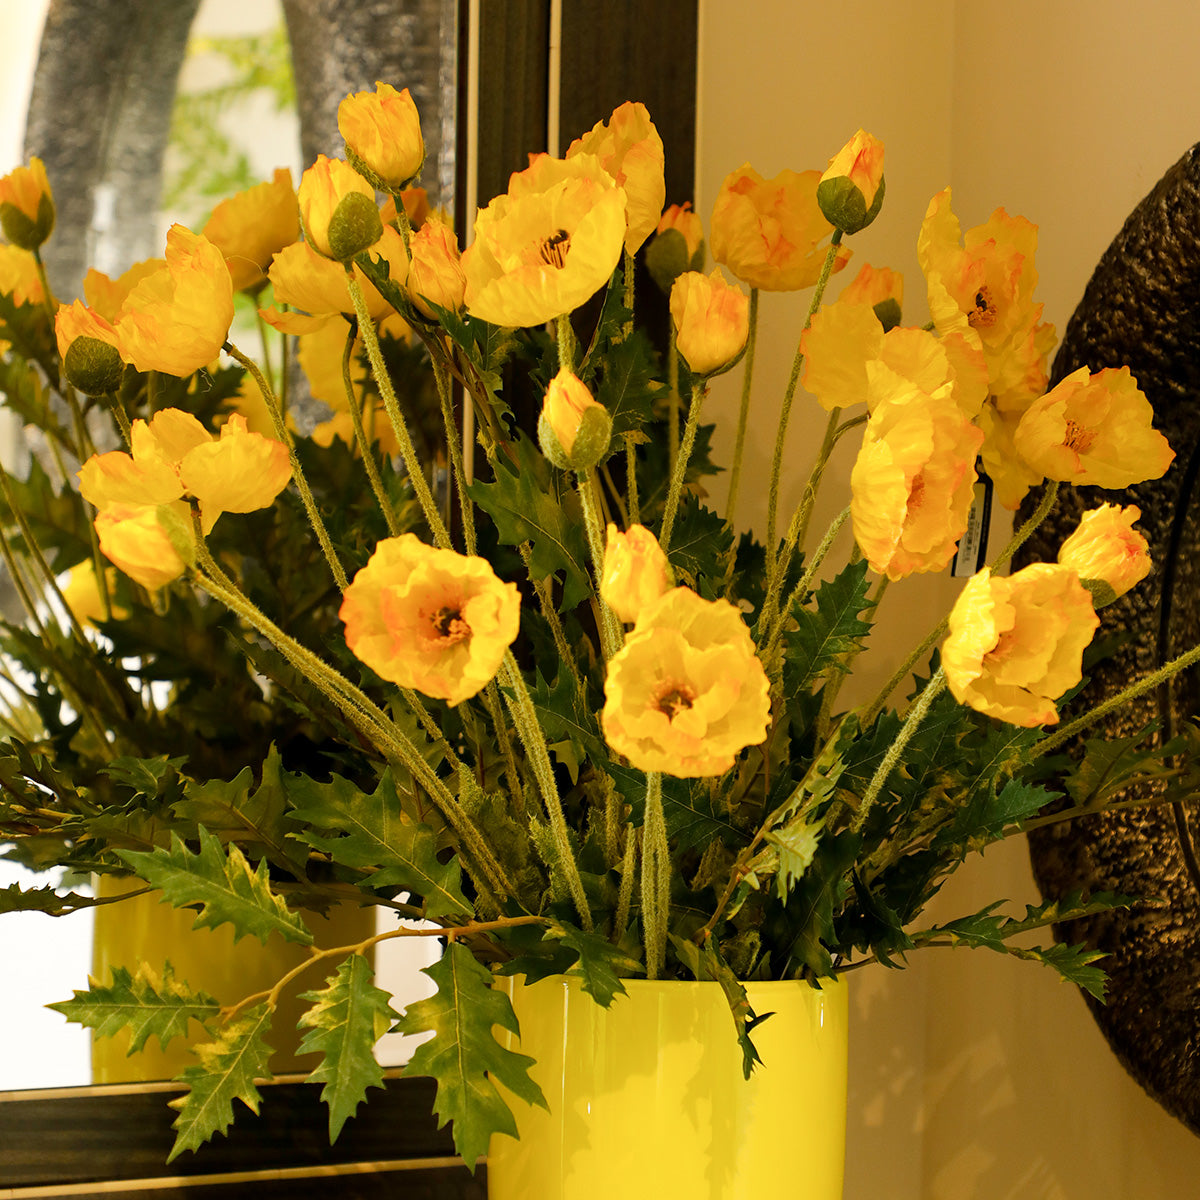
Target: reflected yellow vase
647, 1098
144, 930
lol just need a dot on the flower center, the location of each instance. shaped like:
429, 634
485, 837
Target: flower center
983, 314
675, 699
553, 251
1079, 438
449, 625
916, 496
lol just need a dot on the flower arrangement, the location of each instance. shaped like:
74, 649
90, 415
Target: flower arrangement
551, 710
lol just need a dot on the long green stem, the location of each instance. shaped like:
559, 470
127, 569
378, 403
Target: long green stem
1146, 684
673, 404
656, 878
681, 465
534, 740
739, 445
778, 560
566, 656
359, 709
1022, 535
454, 451
631, 487
786, 409
611, 635
408, 452
365, 448
284, 434
912, 722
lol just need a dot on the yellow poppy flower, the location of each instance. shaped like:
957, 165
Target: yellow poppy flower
712, 321
87, 344
1008, 471
574, 431
914, 477
251, 227
383, 139
26, 205
1094, 429
636, 571
435, 275
547, 245
686, 693
1106, 552
982, 285
837, 345
768, 232
337, 206
881, 288
152, 545
19, 276
305, 280
107, 296
430, 619
81, 591
850, 192
175, 319
631, 151
1016, 643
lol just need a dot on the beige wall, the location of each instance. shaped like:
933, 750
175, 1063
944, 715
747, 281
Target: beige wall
973, 1077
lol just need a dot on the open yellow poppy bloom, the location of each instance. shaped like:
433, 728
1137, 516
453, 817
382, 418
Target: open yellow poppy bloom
547, 245
686, 693
430, 619
175, 318
251, 227
1016, 643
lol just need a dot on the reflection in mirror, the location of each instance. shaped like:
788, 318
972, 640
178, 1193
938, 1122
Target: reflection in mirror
234, 122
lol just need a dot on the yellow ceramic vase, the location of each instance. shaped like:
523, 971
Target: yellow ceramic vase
647, 1097
144, 930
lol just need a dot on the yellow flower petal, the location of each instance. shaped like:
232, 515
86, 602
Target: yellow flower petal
251, 227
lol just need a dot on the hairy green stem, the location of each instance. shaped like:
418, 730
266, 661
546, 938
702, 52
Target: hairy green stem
360, 436
631, 487
789, 395
534, 740
284, 434
739, 445
681, 465
611, 633
441, 376
656, 878
912, 722
408, 451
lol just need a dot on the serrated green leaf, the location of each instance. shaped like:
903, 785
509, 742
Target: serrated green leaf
144, 776
700, 541
988, 929
810, 908
601, 965
531, 502
371, 832
463, 1056
228, 1069
14, 898
628, 388
346, 1020
796, 843
236, 810
223, 885
1109, 764
147, 1004
707, 964
823, 638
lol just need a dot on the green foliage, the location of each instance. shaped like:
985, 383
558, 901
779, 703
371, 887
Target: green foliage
345, 1021
373, 834
146, 1004
993, 931
222, 884
228, 1068
601, 965
464, 1056
14, 898
822, 640
529, 501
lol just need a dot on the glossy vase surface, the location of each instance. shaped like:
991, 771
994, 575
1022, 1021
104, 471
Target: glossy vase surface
144, 930
647, 1098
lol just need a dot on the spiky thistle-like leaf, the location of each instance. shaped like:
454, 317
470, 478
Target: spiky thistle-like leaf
347, 1018
227, 1071
147, 1004
371, 832
822, 638
600, 966
223, 885
464, 1057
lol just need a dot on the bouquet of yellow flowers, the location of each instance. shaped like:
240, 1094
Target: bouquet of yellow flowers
523, 685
